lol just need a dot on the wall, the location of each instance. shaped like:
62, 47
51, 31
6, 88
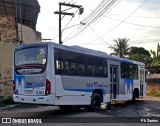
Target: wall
6, 58
7, 45
153, 84
29, 34
7, 28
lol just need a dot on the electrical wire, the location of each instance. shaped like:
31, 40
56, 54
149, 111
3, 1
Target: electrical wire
131, 23
90, 16
133, 16
83, 28
69, 20
122, 20
98, 15
98, 35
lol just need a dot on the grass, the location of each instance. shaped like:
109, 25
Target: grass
153, 91
20, 106
9, 104
6, 101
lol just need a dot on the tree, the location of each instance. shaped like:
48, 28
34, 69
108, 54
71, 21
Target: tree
141, 55
156, 61
120, 47
141, 58
139, 50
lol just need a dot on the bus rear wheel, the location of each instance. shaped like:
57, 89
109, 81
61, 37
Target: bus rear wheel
96, 102
134, 97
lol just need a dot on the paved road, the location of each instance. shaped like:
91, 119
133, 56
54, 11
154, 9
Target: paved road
149, 107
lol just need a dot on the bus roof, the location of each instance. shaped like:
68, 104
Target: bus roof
80, 50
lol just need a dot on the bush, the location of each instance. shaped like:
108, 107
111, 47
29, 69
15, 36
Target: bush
6, 101
153, 92
157, 94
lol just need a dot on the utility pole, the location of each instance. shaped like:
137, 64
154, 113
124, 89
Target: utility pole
60, 12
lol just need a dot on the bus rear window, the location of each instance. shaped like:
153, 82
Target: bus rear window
30, 60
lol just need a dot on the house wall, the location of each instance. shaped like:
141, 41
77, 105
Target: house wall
7, 44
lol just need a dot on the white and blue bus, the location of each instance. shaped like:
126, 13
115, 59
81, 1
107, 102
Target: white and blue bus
54, 74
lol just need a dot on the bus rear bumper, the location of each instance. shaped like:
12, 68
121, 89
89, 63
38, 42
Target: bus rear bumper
48, 100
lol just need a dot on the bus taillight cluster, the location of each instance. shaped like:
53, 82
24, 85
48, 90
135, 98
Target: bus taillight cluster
48, 87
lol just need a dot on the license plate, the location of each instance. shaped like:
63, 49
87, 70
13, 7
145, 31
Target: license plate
28, 91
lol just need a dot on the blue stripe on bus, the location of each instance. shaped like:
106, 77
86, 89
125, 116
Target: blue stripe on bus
85, 90
127, 61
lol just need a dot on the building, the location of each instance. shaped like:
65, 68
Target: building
158, 51
18, 19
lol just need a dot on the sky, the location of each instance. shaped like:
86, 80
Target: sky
138, 21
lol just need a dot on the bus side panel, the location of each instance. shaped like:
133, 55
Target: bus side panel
65, 97
125, 89
72, 90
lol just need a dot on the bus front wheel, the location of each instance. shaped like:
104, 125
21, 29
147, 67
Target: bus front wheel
96, 102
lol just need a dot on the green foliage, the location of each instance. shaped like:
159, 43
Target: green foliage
139, 50
141, 55
21, 106
141, 58
6, 101
120, 47
154, 93
156, 60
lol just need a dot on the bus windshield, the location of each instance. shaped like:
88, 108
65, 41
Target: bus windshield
28, 58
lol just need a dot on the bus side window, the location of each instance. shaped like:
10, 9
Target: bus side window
105, 68
123, 70
59, 67
67, 68
73, 69
59, 61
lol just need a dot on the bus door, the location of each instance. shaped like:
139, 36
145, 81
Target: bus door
113, 81
142, 81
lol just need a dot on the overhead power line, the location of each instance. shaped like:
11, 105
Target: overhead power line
70, 20
98, 35
106, 7
90, 19
131, 23
122, 20
134, 16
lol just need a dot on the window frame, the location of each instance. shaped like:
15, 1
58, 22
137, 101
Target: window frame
82, 60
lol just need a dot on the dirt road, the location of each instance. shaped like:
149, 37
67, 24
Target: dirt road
148, 107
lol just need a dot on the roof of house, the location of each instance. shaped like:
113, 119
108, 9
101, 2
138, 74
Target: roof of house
25, 11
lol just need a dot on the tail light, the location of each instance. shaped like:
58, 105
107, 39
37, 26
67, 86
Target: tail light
48, 87
13, 85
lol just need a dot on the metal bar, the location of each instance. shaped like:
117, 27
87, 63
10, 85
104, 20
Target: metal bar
67, 9
24, 13
70, 5
20, 14
63, 13
17, 36
4, 7
60, 33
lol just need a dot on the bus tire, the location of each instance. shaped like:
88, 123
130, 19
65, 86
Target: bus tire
96, 102
134, 97
109, 105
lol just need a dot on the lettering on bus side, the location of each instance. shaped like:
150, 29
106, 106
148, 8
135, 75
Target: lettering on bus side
34, 84
94, 85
